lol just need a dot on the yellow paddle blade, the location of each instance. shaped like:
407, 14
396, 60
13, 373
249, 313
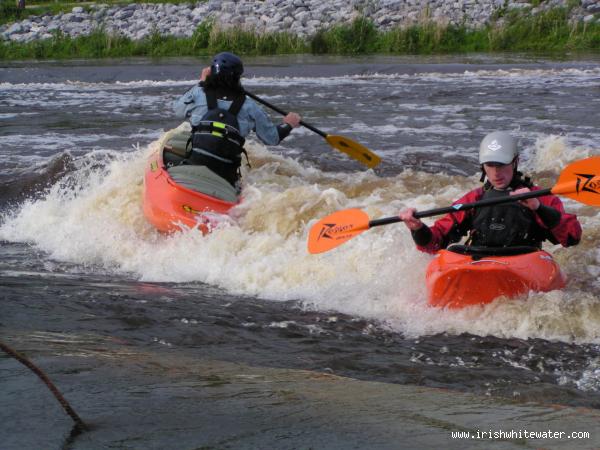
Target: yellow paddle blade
354, 150
580, 181
336, 229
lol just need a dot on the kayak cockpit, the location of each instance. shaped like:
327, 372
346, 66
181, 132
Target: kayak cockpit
176, 193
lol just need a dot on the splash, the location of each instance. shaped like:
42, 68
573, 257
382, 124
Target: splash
553, 153
93, 217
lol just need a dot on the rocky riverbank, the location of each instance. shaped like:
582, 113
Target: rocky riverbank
302, 18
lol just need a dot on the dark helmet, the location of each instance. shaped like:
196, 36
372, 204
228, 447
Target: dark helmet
227, 64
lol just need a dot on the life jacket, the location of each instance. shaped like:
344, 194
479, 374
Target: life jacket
503, 225
216, 141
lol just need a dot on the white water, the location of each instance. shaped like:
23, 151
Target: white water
93, 218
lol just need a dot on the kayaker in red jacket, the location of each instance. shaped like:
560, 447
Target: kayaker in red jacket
525, 223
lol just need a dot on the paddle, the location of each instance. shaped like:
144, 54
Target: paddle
579, 181
353, 149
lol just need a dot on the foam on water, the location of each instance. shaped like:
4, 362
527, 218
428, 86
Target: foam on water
93, 217
536, 76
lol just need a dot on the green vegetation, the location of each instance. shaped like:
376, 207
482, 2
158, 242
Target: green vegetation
362, 37
549, 31
206, 40
9, 12
251, 43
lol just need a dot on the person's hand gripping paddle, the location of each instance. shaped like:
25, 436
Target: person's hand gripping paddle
579, 181
351, 148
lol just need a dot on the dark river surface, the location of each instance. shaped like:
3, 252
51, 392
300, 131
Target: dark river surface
241, 339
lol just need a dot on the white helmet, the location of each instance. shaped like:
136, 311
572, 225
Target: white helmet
498, 147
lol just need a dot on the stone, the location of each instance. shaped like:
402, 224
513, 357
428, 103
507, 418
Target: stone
513, 6
15, 28
301, 17
593, 8
76, 18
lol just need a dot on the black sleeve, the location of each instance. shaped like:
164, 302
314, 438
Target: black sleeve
422, 236
550, 216
283, 130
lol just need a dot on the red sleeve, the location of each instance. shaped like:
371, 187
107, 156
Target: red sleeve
568, 230
442, 227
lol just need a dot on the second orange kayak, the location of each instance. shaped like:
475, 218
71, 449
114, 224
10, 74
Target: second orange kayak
456, 280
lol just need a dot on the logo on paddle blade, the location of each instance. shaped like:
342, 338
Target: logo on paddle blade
332, 230
589, 184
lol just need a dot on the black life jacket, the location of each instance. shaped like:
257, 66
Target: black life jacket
216, 141
503, 225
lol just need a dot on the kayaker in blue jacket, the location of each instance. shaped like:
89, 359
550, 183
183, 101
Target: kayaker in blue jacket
525, 223
222, 116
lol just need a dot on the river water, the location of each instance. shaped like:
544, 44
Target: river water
135, 326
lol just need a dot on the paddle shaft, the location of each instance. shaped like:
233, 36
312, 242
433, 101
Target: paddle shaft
279, 110
463, 207
283, 113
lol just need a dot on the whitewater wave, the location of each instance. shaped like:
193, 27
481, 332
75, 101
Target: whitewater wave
93, 217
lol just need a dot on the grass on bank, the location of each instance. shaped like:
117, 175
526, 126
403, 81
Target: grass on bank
204, 41
549, 32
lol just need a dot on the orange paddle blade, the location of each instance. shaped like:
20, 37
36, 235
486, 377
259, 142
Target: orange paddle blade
336, 229
580, 181
354, 150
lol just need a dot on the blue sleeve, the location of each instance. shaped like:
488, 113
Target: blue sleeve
192, 105
264, 127
182, 104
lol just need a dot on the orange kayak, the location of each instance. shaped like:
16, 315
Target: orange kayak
176, 194
456, 280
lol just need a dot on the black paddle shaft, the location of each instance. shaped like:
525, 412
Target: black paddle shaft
283, 113
464, 206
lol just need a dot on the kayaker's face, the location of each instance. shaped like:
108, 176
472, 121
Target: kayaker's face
500, 175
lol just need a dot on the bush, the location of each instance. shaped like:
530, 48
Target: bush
8, 11
360, 36
549, 31
201, 36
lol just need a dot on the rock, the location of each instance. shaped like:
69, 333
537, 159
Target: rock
228, 7
14, 29
76, 18
513, 6
301, 17
593, 8
124, 14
